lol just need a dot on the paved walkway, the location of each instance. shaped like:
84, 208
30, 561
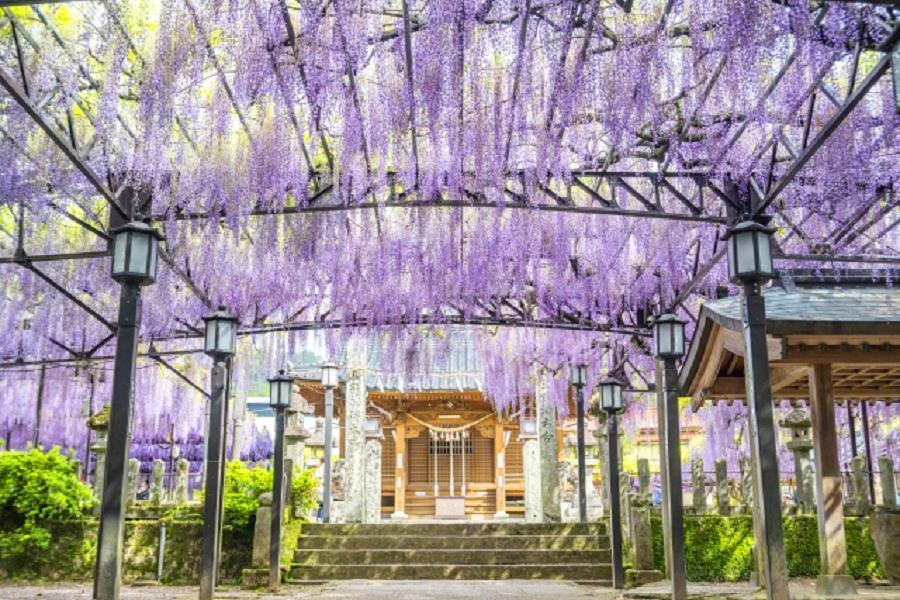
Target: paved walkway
433, 590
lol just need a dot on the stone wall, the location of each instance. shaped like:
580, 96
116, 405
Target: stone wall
72, 552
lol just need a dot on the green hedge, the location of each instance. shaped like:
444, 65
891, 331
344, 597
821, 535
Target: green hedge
720, 548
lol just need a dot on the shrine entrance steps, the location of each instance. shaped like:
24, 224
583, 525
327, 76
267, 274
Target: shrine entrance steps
466, 550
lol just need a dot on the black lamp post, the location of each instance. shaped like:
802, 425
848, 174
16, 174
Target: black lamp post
578, 378
668, 333
750, 264
221, 334
135, 251
329, 382
611, 402
279, 399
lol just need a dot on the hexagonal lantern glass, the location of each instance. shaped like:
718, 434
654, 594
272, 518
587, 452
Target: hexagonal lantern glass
135, 253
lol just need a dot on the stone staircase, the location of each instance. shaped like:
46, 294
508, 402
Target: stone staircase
467, 550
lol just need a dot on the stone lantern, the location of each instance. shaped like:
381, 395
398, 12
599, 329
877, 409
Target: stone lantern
799, 424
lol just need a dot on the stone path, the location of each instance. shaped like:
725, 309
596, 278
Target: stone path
433, 590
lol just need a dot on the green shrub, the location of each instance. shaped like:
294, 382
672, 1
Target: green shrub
720, 548
244, 486
37, 488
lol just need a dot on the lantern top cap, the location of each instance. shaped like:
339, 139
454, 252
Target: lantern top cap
138, 227
609, 380
748, 225
221, 315
669, 318
281, 376
329, 365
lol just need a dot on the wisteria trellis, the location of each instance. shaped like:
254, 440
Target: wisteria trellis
381, 162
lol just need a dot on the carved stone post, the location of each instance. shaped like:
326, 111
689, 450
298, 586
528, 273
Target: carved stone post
698, 481
550, 492
100, 424
888, 487
157, 489
354, 431
372, 494
131, 484
531, 466
181, 482
723, 495
859, 477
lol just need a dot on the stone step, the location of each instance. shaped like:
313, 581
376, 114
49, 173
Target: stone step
448, 557
452, 542
486, 528
573, 572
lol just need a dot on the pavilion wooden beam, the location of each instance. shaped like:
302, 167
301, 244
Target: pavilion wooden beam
732, 388
844, 354
829, 493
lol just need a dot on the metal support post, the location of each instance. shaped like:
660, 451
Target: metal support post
326, 478
867, 441
615, 500
38, 409
762, 435
277, 504
212, 515
673, 470
582, 478
108, 569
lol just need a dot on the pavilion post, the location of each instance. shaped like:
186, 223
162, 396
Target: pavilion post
672, 443
833, 578
400, 469
762, 424
108, 569
582, 476
212, 507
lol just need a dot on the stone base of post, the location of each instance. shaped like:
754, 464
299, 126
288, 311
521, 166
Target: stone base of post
501, 516
636, 578
399, 516
833, 586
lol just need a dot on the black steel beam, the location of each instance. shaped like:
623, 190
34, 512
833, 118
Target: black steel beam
54, 257
61, 142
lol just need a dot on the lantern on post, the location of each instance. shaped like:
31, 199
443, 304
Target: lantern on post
668, 334
135, 250
749, 252
578, 379
279, 399
610, 391
219, 344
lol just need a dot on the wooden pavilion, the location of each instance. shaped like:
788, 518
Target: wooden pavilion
830, 339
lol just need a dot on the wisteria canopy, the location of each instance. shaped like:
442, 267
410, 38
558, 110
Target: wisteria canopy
563, 167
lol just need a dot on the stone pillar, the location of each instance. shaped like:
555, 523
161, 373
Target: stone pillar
859, 477
157, 487
603, 456
100, 424
547, 452
372, 492
797, 421
723, 495
888, 487
746, 484
399, 469
262, 531
181, 482
833, 579
354, 432
134, 470
698, 483
500, 471
531, 466
240, 415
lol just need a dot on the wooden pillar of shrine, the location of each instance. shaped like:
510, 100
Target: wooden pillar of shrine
833, 578
400, 469
500, 470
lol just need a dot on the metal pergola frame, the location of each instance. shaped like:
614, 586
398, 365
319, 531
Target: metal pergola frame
701, 197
